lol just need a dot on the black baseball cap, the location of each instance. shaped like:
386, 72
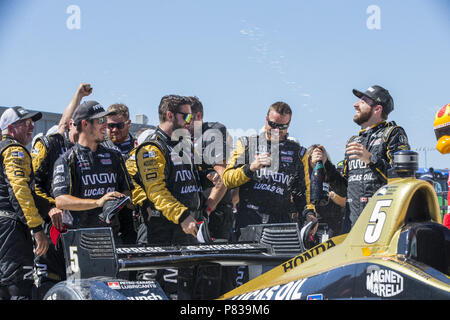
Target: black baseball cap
89, 110
378, 94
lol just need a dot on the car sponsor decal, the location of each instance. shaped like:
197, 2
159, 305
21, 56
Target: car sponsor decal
305, 256
114, 285
288, 291
318, 296
137, 290
383, 282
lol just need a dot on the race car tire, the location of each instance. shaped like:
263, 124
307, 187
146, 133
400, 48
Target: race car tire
61, 291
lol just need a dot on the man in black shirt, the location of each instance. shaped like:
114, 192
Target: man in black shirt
46, 150
88, 174
118, 130
270, 170
212, 146
119, 138
368, 155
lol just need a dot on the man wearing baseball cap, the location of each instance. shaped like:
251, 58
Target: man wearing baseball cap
19, 216
88, 175
368, 156
45, 151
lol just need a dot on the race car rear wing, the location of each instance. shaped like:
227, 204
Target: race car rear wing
92, 253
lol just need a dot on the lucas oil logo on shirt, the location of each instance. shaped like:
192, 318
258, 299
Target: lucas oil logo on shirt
383, 282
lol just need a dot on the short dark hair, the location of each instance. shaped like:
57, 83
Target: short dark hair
79, 126
281, 108
120, 109
171, 103
197, 105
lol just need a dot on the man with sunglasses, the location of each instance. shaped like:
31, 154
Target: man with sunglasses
271, 173
165, 166
120, 139
118, 130
88, 175
19, 217
369, 155
170, 180
269, 170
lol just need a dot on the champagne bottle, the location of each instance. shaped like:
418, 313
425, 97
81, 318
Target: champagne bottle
319, 188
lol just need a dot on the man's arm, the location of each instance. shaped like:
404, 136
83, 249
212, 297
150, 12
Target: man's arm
151, 172
138, 195
83, 90
219, 189
39, 153
237, 173
151, 164
69, 202
301, 191
380, 163
62, 190
331, 172
17, 164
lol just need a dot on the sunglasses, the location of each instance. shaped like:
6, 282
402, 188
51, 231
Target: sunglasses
186, 116
279, 126
25, 122
119, 125
101, 120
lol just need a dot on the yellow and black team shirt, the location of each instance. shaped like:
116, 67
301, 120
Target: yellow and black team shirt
17, 183
270, 190
44, 153
169, 178
138, 195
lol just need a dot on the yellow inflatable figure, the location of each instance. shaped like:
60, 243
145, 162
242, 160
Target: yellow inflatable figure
442, 129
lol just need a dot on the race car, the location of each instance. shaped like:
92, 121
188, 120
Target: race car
398, 249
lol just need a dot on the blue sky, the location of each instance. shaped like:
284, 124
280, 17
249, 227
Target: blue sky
238, 57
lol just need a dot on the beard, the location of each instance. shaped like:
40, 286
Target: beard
99, 140
362, 117
117, 139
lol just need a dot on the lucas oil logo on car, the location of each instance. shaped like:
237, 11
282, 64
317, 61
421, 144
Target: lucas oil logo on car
288, 291
383, 282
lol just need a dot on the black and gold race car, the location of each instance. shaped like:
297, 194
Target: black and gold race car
397, 249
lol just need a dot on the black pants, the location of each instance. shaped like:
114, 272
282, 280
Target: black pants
53, 261
127, 232
16, 260
221, 221
17, 291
